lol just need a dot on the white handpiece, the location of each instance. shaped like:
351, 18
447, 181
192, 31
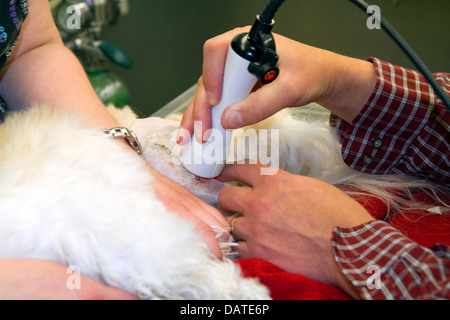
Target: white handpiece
208, 159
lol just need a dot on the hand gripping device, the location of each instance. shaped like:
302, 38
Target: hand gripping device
251, 57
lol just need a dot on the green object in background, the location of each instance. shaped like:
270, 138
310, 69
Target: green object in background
116, 55
94, 53
109, 87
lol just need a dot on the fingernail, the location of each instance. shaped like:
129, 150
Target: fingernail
233, 119
198, 131
206, 135
182, 135
211, 98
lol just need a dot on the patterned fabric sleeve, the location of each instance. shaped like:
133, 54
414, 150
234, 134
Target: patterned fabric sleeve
3, 110
12, 15
404, 128
382, 263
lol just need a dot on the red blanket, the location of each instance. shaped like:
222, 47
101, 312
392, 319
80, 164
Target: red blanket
421, 226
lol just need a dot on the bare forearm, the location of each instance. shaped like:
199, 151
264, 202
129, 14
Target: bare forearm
354, 81
42, 71
57, 80
307, 74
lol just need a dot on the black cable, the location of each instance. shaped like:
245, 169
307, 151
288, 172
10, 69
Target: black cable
270, 10
410, 53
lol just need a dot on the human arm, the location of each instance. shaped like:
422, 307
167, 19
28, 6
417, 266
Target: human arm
42, 71
383, 263
28, 279
307, 74
402, 129
388, 117
309, 227
288, 220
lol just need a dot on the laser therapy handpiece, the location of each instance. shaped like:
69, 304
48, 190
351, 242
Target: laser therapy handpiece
251, 57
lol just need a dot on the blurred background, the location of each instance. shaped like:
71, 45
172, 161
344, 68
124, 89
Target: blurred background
164, 38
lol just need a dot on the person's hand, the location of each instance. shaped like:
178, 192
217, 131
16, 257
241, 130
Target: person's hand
288, 219
307, 74
23, 279
181, 201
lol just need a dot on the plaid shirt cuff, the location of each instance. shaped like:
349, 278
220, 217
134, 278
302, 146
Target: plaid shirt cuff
382, 263
402, 129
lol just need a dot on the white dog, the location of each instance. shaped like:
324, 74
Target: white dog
69, 195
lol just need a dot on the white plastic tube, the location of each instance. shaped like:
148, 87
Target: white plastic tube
208, 159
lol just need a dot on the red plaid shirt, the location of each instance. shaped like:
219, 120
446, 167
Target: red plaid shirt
382, 263
403, 129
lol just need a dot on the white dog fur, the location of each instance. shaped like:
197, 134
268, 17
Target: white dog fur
69, 195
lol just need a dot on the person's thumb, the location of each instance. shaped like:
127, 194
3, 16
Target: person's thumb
256, 107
